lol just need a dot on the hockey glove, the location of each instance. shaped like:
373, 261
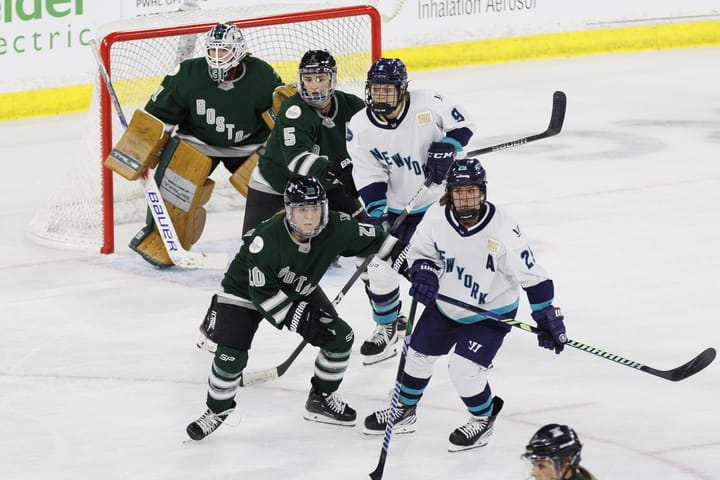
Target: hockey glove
425, 283
439, 157
552, 329
380, 220
340, 171
311, 323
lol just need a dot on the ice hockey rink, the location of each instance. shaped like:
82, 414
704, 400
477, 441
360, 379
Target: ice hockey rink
99, 373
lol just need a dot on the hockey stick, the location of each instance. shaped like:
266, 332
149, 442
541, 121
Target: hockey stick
676, 374
556, 121
403, 215
557, 117
179, 256
262, 376
378, 472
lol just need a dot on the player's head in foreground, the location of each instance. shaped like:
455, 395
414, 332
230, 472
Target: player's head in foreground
225, 48
386, 87
317, 76
306, 207
466, 190
553, 453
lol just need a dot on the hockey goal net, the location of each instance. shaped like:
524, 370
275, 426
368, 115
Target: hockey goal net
138, 53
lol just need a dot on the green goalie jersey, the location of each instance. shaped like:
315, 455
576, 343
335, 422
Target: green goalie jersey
272, 270
305, 143
222, 115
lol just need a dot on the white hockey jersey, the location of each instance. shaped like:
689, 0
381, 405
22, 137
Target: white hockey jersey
483, 266
394, 152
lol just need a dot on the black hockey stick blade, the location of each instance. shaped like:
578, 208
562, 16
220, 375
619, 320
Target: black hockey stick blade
682, 372
557, 118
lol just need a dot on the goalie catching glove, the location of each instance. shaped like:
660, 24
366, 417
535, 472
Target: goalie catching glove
311, 322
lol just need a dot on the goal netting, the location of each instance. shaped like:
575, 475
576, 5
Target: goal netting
138, 53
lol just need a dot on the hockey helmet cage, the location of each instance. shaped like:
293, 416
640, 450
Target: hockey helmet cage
225, 48
466, 171
387, 71
313, 62
303, 192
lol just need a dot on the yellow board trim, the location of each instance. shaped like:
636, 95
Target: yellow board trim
52, 101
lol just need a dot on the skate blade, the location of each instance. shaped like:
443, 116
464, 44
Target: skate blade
397, 429
373, 359
316, 417
461, 448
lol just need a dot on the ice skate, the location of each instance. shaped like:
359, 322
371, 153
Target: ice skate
383, 344
206, 424
405, 418
328, 408
476, 431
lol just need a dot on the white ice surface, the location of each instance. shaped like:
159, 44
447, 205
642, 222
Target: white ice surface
99, 374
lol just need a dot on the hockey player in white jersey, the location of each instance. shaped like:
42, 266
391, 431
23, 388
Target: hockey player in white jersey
401, 139
468, 249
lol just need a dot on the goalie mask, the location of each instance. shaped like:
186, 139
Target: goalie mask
306, 206
466, 202
225, 48
553, 451
386, 85
317, 75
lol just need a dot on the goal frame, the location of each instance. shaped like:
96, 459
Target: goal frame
106, 109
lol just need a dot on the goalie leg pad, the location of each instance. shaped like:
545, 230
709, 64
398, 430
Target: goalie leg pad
185, 188
227, 322
140, 146
241, 176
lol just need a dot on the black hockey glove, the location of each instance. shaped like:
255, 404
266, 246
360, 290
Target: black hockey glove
439, 157
340, 171
378, 220
425, 283
311, 323
552, 329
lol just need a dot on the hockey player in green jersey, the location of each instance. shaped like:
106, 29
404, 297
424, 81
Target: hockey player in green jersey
274, 277
308, 138
214, 106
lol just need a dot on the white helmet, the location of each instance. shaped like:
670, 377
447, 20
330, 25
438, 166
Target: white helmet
225, 47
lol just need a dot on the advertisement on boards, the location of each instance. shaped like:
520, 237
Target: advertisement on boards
43, 43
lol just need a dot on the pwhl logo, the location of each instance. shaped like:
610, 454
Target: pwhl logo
27, 10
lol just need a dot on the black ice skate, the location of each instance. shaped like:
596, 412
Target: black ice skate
405, 418
206, 424
476, 431
329, 408
383, 344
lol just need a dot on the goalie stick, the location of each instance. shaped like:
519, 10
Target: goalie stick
557, 117
179, 256
702, 360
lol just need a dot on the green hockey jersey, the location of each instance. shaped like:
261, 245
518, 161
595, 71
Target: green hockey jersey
273, 270
303, 142
222, 115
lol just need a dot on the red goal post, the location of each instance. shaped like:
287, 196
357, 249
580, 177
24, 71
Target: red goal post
139, 52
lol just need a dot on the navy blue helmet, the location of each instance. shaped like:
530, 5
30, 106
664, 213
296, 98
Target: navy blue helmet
388, 71
463, 172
